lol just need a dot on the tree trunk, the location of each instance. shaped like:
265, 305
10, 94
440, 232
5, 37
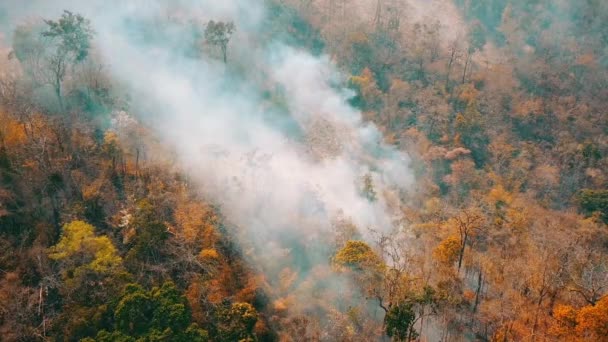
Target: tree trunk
466, 66
378, 16
464, 245
59, 73
137, 163
58, 94
225, 53
478, 291
447, 77
535, 326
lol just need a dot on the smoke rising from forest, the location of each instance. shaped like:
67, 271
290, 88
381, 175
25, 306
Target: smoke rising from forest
282, 170
303, 170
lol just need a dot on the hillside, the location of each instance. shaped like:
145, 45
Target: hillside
301, 170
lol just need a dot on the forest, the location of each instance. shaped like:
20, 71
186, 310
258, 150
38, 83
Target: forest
303, 170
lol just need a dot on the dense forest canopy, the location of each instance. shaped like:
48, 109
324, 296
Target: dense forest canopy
303, 170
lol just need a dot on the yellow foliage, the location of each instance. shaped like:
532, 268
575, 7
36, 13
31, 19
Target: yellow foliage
399, 88
424, 226
432, 205
12, 133
529, 107
565, 320
110, 138
468, 295
208, 255
282, 304
358, 37
92, 190
468, 93
498, 196
589, 323
447, 251
358, 255
593, 320
196, 221
460, 120
78, 238
365, 79
194, 295
587, 59
518, 219
111, 144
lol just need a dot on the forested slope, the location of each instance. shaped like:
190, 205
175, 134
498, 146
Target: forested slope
451, 158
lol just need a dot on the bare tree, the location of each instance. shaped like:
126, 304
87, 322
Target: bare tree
468, 223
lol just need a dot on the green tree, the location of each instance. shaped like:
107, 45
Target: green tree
236, 321
133, 312
68, 42
160, 314
595, 201
399, 322
219, 34
470, 128
48, 53
170, 308
151, 234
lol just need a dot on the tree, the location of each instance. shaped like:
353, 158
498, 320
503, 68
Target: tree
219, 34
454, 55
236, 321
91, 270
588, 271
448, 251
151, 233
81, 249
69, 41
47, 54
132, 314
358, 256
399, 322
161, 314
368, 188
589, 323
592, 321
595, 201
369, 96
468, 223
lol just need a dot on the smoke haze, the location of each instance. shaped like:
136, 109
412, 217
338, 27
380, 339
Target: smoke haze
281, 173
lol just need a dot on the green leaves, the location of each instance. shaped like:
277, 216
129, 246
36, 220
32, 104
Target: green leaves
133, 311
218, 34
236, 321
151, 234
399, 322
160, 314
593, 201
72, 33
170, 307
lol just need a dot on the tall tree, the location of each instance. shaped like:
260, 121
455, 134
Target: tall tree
219, 34
69, 42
